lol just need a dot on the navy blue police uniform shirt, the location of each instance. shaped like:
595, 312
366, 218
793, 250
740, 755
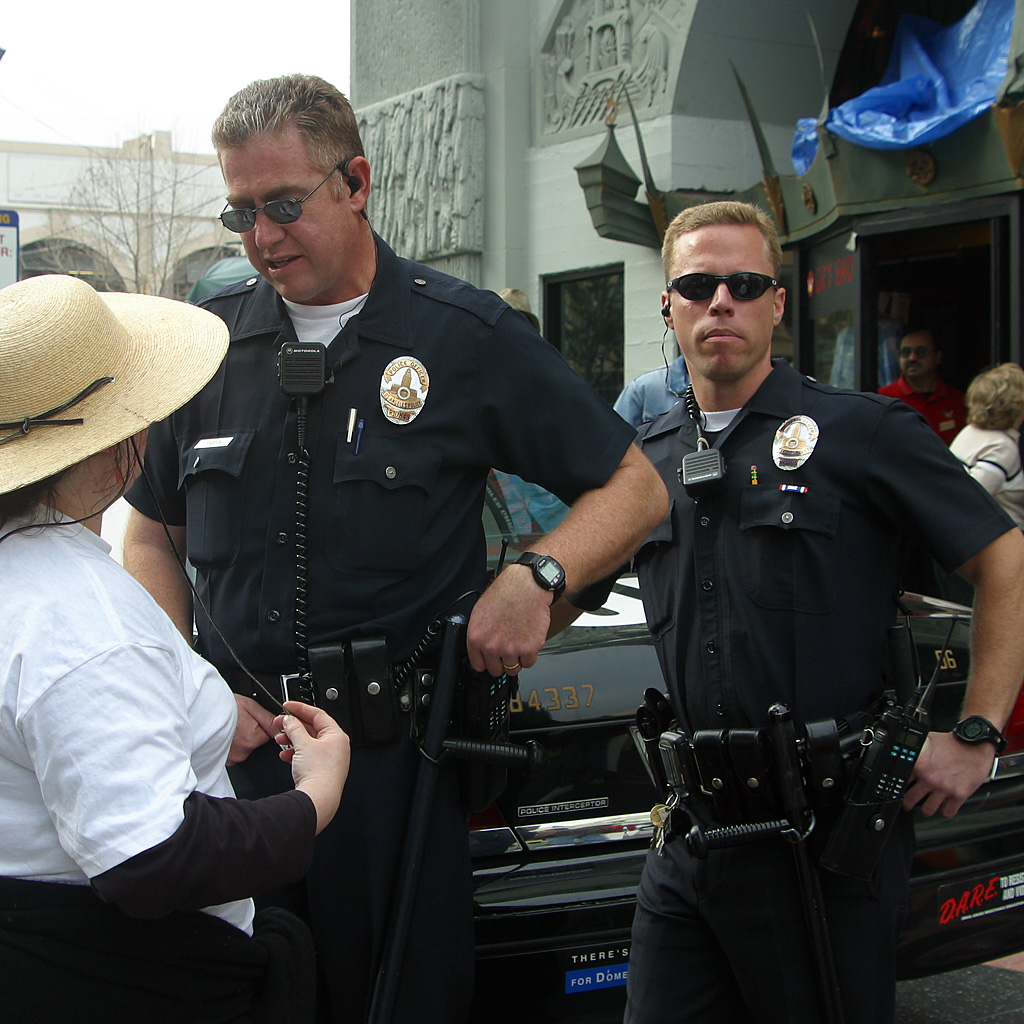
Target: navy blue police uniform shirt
395, 532
780, 586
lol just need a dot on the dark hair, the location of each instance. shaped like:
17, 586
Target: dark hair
922, 328
18, 503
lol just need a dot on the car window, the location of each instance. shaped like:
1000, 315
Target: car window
516, 514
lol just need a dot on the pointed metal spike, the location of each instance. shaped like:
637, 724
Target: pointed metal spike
767, 165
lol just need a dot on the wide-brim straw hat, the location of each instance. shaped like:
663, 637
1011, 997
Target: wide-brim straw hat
58, 336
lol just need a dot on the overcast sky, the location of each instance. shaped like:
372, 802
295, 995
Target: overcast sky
96, 74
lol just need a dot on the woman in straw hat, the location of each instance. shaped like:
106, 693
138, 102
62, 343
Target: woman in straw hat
120, 893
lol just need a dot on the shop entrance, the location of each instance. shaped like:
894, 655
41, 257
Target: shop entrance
939, 278
950, 269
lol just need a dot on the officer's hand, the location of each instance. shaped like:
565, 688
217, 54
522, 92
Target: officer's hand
319, 753
947, 773
509, 623
255, 727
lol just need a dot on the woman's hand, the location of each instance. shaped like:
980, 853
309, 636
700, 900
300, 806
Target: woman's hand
318, 750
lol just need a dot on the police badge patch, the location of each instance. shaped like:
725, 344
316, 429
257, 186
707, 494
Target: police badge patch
403, 389
794, 442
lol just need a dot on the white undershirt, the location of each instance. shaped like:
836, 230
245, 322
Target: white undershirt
717, 421
322, 323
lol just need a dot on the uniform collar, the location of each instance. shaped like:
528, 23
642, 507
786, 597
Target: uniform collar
778, 395
385, 317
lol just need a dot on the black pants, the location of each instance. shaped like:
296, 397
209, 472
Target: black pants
723, 941
349, 888
67, 956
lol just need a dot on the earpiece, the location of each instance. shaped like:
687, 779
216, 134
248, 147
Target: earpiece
665, 311
354, 183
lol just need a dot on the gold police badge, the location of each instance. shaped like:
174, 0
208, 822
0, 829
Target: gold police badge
403, 389
794, 442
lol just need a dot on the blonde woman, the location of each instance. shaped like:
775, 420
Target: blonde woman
989, 445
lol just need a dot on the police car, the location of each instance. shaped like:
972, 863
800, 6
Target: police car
558, 857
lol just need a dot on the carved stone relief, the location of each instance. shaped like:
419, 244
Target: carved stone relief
426, 153
596, 47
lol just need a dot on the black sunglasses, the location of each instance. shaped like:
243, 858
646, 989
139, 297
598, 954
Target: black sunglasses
280, 211
918, 352
745, 285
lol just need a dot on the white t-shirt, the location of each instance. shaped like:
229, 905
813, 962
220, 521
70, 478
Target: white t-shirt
108, 719
322, 323
992, 457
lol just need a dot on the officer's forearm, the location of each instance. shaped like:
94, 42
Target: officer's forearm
997, 628
149, 558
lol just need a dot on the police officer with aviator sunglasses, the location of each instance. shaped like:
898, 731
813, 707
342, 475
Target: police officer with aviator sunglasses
429, 383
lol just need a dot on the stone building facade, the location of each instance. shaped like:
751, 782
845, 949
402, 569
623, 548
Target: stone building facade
475, 114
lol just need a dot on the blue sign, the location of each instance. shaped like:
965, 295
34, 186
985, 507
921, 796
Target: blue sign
606, 976
8, 247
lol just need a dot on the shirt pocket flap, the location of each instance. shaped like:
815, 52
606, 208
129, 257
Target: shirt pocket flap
790, 510
223, 452
388, 463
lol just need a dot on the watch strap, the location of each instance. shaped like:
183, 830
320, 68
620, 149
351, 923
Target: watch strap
976, 729
534, 561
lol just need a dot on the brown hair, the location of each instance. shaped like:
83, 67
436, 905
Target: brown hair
315, 108
995, 398
708, 215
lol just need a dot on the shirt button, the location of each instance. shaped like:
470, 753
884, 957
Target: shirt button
273, 615
787, 517
282, 538
390, 472
707, 585
711, 647
719, 709
291, 456
704, 520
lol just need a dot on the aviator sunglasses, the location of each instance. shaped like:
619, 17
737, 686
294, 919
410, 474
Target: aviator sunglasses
280, 211
745, 285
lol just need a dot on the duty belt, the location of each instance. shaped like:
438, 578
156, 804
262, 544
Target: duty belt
727, 776
354, 680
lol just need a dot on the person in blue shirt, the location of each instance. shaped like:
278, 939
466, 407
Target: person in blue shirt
646, 397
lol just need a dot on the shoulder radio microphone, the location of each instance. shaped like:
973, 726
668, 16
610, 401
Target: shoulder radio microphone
703, 471
302, 368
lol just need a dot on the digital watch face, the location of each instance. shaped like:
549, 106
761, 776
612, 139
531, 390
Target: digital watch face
550, 572
972, 730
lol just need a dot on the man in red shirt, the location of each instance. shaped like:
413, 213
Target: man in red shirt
921, 387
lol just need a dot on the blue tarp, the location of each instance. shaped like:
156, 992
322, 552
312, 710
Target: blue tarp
938, 79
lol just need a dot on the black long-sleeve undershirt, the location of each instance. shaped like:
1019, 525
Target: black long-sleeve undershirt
226, 849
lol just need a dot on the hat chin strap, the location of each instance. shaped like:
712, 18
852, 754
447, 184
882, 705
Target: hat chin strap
44, 419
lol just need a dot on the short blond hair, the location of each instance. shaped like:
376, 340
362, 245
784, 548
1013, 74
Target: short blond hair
708, 215
995, 398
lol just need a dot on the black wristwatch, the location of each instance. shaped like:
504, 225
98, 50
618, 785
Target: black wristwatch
547, 573
974, 730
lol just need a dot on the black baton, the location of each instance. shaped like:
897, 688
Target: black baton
453, 646
794, 805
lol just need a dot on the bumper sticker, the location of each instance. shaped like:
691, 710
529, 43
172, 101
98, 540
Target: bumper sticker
980, 897
594, 969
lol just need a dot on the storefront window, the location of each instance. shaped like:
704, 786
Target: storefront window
583, 318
